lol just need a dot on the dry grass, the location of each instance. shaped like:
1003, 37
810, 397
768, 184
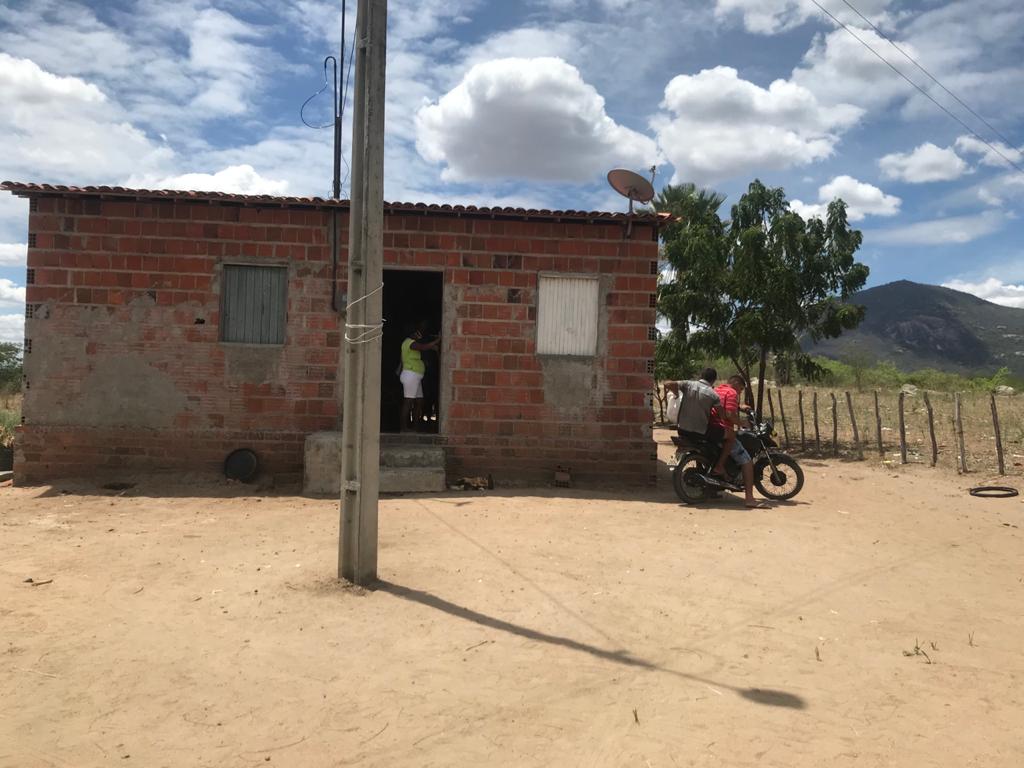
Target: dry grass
10, 417
979, 434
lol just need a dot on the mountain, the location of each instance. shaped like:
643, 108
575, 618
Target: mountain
926, 326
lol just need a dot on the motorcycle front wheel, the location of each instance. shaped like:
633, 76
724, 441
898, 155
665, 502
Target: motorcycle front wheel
782, 483
686, 480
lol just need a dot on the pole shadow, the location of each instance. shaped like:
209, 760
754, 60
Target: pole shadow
763, 696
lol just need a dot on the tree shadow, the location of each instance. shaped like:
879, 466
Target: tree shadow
757, 695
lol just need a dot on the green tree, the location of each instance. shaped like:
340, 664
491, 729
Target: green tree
10, 366
758, 284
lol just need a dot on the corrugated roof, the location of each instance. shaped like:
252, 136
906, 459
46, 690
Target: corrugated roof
24, 189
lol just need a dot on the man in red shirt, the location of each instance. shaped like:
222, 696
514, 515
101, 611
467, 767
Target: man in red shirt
727, 418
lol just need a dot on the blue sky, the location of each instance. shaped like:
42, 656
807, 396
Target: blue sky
530, 103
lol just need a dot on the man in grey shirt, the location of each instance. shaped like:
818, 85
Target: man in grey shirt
698, 398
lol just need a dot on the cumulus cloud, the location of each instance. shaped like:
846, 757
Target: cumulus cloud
718, 125
927, 162
992, 289
12, 328
861, 199
837, 69
239, 179
527, 119
13, 254
989, 155
954, 230
11, 295
90, 142
769, 17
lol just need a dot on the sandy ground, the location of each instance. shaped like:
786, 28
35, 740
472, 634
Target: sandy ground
196, 626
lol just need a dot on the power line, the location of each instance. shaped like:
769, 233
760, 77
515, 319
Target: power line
934, 79
923, 92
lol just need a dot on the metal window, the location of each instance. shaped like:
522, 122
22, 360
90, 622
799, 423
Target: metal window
253, 304
567, 315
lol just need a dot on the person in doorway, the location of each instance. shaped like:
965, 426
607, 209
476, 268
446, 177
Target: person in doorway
412, 373
726, 417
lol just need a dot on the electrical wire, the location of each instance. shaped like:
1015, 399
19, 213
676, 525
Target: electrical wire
934, 79
923, 92
302, 109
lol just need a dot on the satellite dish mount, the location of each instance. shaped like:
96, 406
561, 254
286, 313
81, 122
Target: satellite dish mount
634, 187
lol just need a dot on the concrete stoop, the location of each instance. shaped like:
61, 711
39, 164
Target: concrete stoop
408, 464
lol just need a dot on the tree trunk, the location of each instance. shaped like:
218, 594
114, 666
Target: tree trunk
661, 403
744, 371
760, 379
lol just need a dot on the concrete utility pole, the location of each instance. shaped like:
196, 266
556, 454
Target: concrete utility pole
360, 458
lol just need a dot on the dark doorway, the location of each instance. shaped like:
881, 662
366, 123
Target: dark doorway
410, 296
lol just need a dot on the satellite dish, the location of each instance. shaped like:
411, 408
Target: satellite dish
633, 187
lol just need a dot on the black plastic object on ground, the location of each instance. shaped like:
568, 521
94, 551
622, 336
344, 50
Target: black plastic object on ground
993, 492
241, 465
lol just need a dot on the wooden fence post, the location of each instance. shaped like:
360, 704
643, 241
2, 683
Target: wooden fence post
903, 431
853, 421
931, 429
817, 437
771, 406
958, 428
782, 415
835, 426
999, 437
878, 427
800, 407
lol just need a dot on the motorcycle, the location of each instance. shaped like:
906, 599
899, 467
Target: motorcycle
777, 475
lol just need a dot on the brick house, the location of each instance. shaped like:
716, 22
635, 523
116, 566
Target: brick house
164, 329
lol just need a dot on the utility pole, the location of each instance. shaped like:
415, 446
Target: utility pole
360, 458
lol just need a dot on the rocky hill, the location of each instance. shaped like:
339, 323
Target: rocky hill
926, 326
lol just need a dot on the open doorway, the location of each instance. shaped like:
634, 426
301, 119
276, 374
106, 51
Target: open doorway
409, 297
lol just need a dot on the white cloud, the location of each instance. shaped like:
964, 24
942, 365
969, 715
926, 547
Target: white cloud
861, 200
992, 289
989, 156
768, 17
138, 56
721, 125
12, 328
239, 179
838, 69
225, 67
65, 129
11, 295
13, 254
526, 118
954, 230
925, 163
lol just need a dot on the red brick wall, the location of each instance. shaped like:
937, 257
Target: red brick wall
123, 375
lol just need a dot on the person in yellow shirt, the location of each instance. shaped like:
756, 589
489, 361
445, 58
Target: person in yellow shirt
412, 373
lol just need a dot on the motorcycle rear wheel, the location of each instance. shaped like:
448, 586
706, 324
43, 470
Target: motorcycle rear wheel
786, 481
686, 481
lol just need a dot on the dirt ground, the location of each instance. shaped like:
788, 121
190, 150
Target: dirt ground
195, 625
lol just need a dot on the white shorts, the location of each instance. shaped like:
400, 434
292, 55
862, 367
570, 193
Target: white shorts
412, 384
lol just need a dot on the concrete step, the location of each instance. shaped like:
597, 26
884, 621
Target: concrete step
412, 479
415, 466
397, 456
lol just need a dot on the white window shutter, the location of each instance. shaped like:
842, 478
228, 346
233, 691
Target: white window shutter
567, 315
